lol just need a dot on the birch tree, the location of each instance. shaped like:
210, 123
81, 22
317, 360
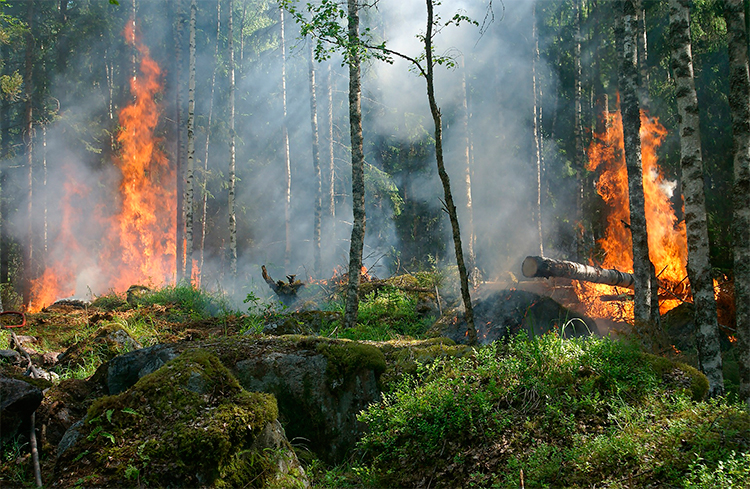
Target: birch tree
643, 270
739, 106
232, 155
318, 206
204, 189
190, 150
179, 164
691, 160
28, 133
537, 130
285, 149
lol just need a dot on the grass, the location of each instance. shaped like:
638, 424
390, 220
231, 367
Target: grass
569, 413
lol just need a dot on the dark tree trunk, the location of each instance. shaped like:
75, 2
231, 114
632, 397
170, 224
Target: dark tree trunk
739, 105
646, 319
357, 242
28, 139
449, 205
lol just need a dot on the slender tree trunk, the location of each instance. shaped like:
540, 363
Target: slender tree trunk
179, 165
631, 123
331, 197
474, 272
444, 178
232, 155
287, 160
4, 154
28, 137
204, 189
642, 44
318, 211
580, 152
45, 200
699, 263
190, 151
537, 133
739, 105
357, 242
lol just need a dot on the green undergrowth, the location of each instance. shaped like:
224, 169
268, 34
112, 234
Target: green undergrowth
568, 413
383, 315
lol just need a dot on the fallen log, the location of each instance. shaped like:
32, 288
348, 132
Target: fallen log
537, 266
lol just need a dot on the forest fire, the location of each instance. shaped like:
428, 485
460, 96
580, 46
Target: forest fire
666, 235
138, 237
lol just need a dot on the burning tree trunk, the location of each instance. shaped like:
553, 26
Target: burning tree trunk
699, 264
318, 212
537, 266
190, 152
739, 104
645, 313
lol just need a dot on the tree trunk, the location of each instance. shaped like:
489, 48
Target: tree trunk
537, 133
642, 43
204, 189
449, 205
287, 161
474, 272
232, 156
537, 266
179, 165
646, 319
318, 211
4, 154
580, 153
739, 105
699, 263
190, 151
331, 197
28, 133
356, 244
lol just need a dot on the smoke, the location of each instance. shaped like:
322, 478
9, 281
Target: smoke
493, 75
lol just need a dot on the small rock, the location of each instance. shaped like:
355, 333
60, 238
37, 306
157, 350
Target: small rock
49, 359
18, 400
10, 356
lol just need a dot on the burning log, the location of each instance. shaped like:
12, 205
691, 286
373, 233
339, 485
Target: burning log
537, 266
286, 291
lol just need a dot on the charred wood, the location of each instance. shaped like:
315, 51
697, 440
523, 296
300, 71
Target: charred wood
286, 291
537, 266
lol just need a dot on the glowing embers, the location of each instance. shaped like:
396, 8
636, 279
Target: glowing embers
666, 235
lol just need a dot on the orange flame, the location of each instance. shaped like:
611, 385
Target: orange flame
666, 235
139, 243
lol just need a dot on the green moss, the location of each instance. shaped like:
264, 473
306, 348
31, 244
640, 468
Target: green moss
679, 375
346, 358
403, 357
183, 424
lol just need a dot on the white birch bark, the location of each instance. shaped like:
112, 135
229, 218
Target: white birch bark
691, 160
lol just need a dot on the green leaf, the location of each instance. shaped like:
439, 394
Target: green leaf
109, 415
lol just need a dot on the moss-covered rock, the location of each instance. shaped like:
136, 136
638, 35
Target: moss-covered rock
320, 384
188, 424
679, 376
